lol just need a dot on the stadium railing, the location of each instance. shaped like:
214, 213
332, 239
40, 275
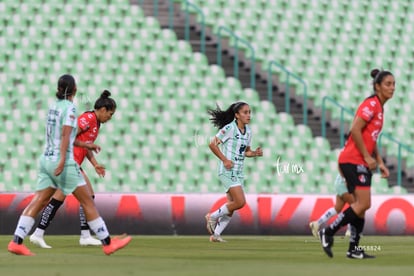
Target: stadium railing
343, 109
287, 88
236, 65
400, 146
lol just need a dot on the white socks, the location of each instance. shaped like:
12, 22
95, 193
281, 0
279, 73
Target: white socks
221, 225
24, 225
222, 211
327, 215
99, 228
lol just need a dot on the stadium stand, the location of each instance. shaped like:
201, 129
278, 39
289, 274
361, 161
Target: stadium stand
157, 140
318, 41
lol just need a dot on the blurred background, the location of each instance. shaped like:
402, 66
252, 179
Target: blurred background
303, 66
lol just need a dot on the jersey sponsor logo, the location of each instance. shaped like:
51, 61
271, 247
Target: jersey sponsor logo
49, 153
367, 112
374, 135
377, 123
238, 158
242, 148
372, 103
83, 122
380, 115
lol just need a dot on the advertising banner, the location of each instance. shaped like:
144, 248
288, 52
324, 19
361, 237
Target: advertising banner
183, 214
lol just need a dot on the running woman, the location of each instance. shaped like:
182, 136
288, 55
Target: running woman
58, 170
356, 161
342, 197
88, 129
235, 137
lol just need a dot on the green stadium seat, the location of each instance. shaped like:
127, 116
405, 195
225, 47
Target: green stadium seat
158, 81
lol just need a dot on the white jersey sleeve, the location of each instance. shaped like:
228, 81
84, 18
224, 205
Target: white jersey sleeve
225, 133
69, 118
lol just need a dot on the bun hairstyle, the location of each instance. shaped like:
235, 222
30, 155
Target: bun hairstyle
378, 76
105, 101
220, 118
66, 87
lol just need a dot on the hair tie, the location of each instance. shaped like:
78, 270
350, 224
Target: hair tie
237, 105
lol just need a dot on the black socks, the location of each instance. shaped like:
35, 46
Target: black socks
348, 216
49, 213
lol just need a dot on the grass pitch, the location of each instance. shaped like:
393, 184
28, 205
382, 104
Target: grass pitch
195, 255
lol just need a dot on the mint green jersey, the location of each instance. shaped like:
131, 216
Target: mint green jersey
233, 146
61, 113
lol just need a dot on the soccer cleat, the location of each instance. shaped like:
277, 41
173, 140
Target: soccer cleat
215, 238
211, 223
314, 226
89, 241
348, 233
116, 244
358, 254
327, 242
19, 249
39, 241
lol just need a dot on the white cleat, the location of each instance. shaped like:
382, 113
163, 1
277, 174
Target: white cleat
348, 233
210, 224
89, 241
314, 226
214, 238
39, 241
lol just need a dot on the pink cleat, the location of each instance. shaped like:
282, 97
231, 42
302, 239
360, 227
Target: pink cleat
19, 249
116, 244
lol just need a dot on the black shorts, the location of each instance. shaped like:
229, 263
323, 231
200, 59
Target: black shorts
356, 176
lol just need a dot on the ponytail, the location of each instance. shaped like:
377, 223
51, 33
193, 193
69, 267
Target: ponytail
220, 118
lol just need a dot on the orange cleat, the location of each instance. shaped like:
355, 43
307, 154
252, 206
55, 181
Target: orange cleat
19, 249
116, 244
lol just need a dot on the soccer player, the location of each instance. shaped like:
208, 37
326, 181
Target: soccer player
88, 128
342, 197
58, 170
235, 137
356, 161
